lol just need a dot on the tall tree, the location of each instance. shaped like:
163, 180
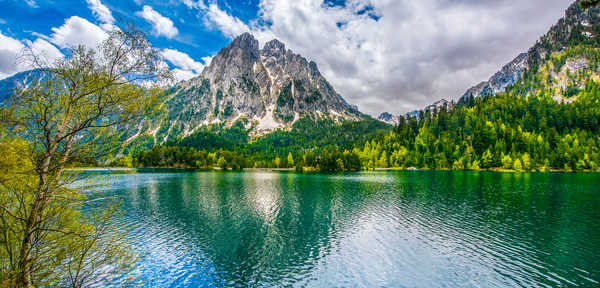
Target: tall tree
67, 114
585, 4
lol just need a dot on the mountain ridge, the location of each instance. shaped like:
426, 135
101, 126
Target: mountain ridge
267, 89
576, 27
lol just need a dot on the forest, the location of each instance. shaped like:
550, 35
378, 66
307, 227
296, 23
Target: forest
537, 124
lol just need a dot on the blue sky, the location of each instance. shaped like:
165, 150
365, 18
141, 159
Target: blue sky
195, 37
381, 55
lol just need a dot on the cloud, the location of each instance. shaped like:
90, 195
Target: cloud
199, 4
183, 75
78, 31
12, 50
186, 66
161, 25
229, 25
100, 11
47, 52
182, 60
31, 3
9, 52
398, 56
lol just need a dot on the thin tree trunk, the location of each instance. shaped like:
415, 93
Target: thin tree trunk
42, 200
24, 272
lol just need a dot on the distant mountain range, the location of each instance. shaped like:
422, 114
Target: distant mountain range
272, 88
577, 27
508, 75
9, 85
393, 119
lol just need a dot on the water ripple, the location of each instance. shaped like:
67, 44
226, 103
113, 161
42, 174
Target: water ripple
371, 229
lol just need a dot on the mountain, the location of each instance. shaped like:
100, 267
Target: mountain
17, 81
393, 119
267, 100
437, 105
388, 118
577, 27
541, 112
508, 75
266, 89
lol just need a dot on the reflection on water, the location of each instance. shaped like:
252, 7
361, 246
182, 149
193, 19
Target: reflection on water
394, 229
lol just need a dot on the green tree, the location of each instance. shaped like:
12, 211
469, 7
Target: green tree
222, 163
67, 115
517, 165
339, 163
585, 4
487, 159
277, 162
507, 162
526, 159
290, 160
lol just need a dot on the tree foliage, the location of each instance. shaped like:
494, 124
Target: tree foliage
67, 115
532, 126
585, 4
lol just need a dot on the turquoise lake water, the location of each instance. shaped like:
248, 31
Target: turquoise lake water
370, 229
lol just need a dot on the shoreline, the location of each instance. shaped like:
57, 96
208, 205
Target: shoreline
313, 170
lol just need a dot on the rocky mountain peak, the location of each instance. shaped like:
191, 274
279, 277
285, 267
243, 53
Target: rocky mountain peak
274, 46
388, 118
267, 89
245, 41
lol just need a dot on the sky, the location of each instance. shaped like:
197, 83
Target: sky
381, 55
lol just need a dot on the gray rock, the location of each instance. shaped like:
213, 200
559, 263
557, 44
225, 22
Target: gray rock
388, 118
508, 75
270, 87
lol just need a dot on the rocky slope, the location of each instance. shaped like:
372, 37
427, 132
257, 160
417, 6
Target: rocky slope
267, 89
388, 118
508, 75
9, 85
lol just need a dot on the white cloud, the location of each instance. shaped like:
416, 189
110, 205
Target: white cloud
9, 53
199, 4
400, 55
186, 66
78, 31
31, 3
160, 24
206, 60
12, 50
229, 25
47, 52
100, 11
182, 75
182, 60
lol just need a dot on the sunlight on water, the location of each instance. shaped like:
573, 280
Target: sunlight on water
390, 229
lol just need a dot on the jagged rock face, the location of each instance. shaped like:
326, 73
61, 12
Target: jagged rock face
508, 75
437, 105
271, 87
388, 118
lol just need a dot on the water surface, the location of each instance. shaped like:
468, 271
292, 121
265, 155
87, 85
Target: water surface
371, 229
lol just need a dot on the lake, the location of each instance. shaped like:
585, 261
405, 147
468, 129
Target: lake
369, 229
